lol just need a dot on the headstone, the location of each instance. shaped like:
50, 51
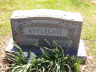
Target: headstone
33, 26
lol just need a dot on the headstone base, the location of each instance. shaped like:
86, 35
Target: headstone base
81, 50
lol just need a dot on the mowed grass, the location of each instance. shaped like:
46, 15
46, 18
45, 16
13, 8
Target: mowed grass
87, 8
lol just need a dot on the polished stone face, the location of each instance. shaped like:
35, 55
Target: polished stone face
34, 29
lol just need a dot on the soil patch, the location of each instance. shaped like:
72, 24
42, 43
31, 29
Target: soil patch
3, 46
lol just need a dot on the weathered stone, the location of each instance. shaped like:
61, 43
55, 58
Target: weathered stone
33, 26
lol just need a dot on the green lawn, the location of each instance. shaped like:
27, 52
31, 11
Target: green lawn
87, 8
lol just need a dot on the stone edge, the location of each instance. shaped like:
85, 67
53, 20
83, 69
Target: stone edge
73, 16
9, 46
81, 51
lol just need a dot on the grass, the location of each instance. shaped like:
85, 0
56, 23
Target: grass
87, 8
47, 62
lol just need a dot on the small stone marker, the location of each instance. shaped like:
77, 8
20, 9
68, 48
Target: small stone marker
33, 26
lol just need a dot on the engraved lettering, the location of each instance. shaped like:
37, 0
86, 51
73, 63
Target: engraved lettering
49, 31
53, 32
45, 31
42, 31
61, 32
57, 31
38, 30
30, 30
63, 43
34, 30
28, 41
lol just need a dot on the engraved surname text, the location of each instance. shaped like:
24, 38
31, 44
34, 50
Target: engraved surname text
45, 31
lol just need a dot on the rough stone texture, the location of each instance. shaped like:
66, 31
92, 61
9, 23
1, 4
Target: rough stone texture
47, 13
32, 26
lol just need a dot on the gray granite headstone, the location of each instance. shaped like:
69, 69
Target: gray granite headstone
33, 26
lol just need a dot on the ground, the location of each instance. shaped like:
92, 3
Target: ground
89, 66
2, 50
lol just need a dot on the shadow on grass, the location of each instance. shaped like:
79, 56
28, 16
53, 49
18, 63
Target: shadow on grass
79, 3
